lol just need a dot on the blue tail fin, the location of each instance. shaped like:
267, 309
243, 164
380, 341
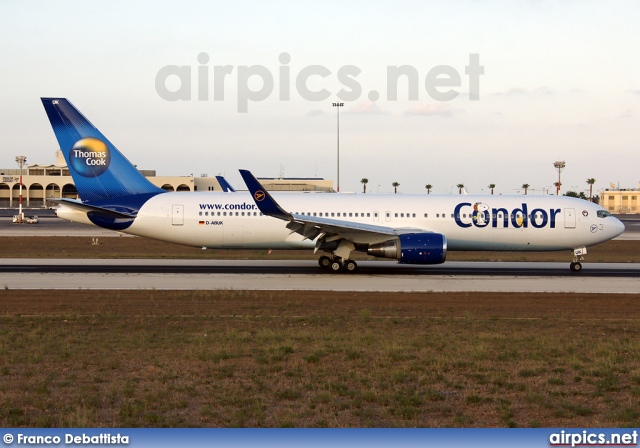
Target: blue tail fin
226, 186
100, 172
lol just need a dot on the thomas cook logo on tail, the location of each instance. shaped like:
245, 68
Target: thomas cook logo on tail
90, 157
259, 195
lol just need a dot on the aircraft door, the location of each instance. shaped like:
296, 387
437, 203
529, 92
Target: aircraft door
177, 214
569, 218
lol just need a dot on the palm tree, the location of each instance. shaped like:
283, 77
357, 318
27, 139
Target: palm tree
428, 187
395, 187
460, 187
492, 186
591, 181
526, 188
364, 181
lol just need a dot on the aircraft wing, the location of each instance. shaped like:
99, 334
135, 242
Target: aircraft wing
338, 227
312, 226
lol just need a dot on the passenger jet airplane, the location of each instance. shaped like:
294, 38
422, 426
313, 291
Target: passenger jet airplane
414, 229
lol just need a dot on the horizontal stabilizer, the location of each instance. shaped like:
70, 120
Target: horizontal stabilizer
80, 206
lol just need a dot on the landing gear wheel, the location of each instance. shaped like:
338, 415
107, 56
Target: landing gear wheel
576, 266
324, 262
350, 266
336, 266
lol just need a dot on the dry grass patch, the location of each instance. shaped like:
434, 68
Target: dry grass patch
241, 358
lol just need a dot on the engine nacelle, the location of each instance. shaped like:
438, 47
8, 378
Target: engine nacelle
413, 248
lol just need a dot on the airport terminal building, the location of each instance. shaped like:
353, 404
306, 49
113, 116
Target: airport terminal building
620, 201
41, 182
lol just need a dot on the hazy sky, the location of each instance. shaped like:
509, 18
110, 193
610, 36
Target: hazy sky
561, 81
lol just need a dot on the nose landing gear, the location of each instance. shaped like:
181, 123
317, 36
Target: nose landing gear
575, 265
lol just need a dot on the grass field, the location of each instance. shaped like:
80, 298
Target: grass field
622, 251
238, 358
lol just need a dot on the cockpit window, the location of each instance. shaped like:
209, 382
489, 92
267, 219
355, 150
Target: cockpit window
603, 214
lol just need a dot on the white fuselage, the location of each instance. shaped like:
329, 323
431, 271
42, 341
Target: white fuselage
469, 222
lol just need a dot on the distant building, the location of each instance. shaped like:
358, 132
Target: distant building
620, 200
42, 182
297, 184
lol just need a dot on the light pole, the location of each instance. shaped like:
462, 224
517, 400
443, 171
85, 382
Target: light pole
338, 106
559, 165
21, 160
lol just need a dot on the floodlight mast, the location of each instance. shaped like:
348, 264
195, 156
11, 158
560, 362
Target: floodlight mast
559, 165
21, 160
338, 106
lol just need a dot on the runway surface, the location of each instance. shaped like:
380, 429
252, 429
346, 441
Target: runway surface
53, 226
298, 275
306, 275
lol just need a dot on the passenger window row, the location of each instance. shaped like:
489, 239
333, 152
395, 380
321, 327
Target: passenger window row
230, 214
335, 214
359, 215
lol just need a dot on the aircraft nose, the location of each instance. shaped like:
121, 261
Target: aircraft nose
617, 227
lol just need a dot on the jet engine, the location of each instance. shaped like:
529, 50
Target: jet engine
413, 248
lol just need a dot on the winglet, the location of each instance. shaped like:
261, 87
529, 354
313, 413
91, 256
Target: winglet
267, 205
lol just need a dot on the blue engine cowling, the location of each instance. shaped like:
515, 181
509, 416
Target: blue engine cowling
423, 248
413, 248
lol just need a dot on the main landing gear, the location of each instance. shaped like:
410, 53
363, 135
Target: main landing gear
575, 265
337, 264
